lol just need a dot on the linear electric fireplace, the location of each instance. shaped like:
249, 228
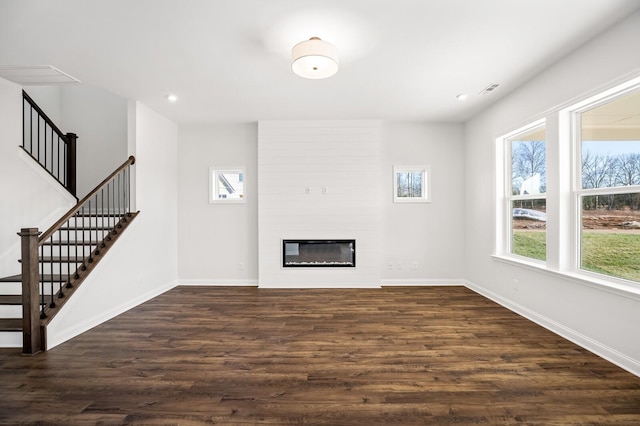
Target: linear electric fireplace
318, 253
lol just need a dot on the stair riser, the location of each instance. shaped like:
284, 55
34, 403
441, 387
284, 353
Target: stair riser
10, 339
93, 219
11, 288
57, 269
74, 235
47, 269
99, 221
66, 251
10, 311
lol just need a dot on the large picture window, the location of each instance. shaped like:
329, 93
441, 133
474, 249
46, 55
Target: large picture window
592, 161
607, 188
525, 191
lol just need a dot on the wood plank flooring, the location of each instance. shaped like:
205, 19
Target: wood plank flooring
422, 355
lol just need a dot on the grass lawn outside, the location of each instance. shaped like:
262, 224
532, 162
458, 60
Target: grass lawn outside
616, 254
531, 244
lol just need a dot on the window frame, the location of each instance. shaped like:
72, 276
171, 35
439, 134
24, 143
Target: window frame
504, 221
577, 190
214, 172
563, 226
425, 196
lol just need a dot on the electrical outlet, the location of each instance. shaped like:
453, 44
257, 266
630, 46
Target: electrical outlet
307, 190
414, 265
390, 266
241, 266
399, 266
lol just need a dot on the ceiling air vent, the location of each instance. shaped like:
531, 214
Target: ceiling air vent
490, 88
34, 75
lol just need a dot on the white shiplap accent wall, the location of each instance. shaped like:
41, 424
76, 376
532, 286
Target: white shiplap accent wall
344, 158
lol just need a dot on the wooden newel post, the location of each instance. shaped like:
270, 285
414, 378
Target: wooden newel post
32, 341
71, 163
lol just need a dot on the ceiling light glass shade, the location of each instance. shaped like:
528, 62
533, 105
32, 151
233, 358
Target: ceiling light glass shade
314, 58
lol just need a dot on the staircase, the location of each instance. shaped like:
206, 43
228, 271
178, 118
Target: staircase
57, 261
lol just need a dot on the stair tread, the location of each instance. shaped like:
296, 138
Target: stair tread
12, 279
58, 259
68, 243
92, 216
10, 324
10, 299
46, 278
63, 259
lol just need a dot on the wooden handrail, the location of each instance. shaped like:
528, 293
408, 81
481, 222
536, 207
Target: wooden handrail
49, 232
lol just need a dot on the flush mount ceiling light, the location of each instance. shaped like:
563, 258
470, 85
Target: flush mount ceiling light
314, 58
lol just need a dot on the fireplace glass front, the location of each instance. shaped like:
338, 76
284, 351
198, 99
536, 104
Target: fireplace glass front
318, 253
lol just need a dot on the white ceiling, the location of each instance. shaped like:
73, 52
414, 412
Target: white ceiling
229, 60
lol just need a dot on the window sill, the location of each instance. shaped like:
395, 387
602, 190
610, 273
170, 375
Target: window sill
611, 285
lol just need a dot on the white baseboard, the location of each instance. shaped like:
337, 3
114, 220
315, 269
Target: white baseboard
335, 286
423, 282
221, 283
621, 360
54, 339
392, 282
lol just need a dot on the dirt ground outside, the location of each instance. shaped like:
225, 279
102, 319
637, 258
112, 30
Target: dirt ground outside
597, 220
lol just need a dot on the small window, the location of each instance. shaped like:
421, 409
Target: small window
227, 185
411, 184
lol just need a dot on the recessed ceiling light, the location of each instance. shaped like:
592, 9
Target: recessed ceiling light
462, 97
172, 98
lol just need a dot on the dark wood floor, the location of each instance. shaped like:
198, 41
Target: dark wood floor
203, 355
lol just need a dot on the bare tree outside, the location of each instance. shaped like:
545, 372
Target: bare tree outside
409, 184
628, 169
528, 160
606, 171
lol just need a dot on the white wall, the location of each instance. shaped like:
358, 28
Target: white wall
215, 238
99, 118
29, 197
49, 99
598, 319
143, 262
344, 158
430, 234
